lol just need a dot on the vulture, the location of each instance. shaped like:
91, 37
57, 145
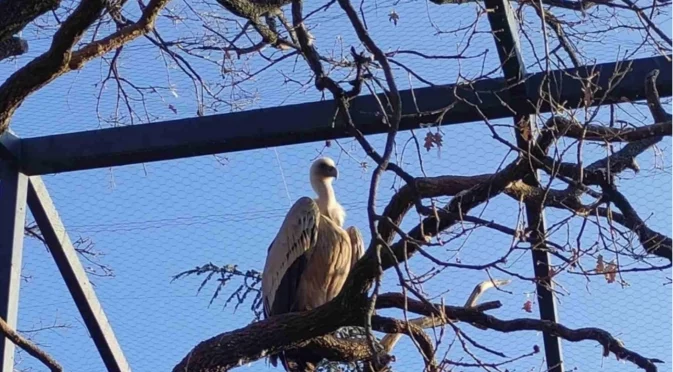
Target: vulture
309, 259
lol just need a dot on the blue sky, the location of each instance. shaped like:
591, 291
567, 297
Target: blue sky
155, 220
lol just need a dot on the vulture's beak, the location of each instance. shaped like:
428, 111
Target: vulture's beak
334, 173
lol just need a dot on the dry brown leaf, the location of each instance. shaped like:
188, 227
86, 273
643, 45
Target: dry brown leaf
600, 264
393, 17
429, 141
611, 272
432, 140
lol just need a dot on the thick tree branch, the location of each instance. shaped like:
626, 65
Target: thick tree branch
11, 47
123, 36
16, 14
564, 4
305, 330
49, 65
388, 342
603, 170
395, 326
426, 187
29, 347
592, 132
459, 205
266, 337
653, 242
485, 321
60, 58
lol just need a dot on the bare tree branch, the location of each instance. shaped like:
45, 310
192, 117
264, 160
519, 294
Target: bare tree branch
653, 242
16, 14
60, 58
29, 347
572, 129
388, 342
485, 321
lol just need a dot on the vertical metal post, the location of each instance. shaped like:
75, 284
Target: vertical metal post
13, 186
506, 34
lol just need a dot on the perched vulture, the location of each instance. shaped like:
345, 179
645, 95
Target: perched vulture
311, 256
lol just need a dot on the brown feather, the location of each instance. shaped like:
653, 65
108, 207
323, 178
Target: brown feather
328, 266
357, 244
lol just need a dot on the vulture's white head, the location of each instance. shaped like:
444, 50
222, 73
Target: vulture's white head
323, 172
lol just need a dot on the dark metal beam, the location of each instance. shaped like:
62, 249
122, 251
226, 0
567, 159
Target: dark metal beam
10, 147
293, 124
13, 187
506, 34
60, 246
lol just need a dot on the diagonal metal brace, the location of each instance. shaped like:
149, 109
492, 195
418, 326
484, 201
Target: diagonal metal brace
61, 248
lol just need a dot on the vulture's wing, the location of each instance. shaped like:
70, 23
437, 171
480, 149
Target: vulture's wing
285, 259
357, 243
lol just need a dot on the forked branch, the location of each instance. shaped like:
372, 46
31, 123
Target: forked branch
29, 347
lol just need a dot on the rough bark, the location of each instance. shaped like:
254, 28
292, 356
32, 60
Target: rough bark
60, 58
49, 65
12, 47
592, 132
653, 242
269, 336
16, 14
29, 347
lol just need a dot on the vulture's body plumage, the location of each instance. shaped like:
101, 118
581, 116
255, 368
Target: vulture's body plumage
309, 260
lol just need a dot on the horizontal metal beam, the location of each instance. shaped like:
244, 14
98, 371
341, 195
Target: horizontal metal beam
61, 248
13, 189
308, 122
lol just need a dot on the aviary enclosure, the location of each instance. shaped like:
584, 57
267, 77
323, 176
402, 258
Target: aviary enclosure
536, 186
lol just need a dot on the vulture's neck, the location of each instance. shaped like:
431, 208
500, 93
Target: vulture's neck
327, 202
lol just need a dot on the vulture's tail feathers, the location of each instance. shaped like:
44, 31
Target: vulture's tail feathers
296, 360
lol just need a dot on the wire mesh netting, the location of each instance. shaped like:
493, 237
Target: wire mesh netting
428, 44
136, 227
156, 220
